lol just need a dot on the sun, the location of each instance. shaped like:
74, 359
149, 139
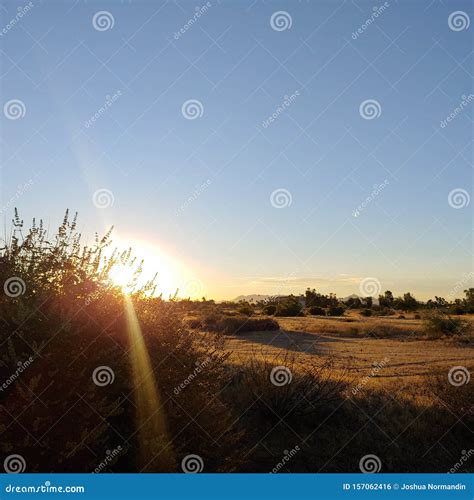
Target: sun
122, 276
173, 274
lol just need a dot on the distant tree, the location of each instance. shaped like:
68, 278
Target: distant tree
386, 300
353, 303
289, 306
368, 302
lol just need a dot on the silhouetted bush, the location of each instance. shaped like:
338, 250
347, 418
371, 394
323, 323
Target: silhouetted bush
316, 311
366, 312
336, 311
269, 309
231, 325
438, 324
290, 306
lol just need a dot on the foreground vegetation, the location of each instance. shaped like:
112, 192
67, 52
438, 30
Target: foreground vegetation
95, 380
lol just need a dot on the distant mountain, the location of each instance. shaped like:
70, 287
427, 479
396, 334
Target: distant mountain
252, 298
375, 300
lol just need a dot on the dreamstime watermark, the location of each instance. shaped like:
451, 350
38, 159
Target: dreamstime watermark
370, 464
458, 198
192, 109
193, 288
22, 366
195, 195
287, 456
20, 13
465, 456
103, 20
459, 20
370, 287
14, 287
21, 190
109, 101
281, 20
110, 456
465, 101
373, 373
370, 109
191, 464
200, 366
103, 198
459, 285
281, 198
376, 12
280, 376
458, 376
287, 101
14, 109
103, 375
14, 464
199, 11
378, 188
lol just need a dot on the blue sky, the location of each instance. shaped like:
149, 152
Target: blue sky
199, 191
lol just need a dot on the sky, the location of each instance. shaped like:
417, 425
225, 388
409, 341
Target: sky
249, 147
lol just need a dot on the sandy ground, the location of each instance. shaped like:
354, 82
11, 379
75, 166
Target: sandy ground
402, 357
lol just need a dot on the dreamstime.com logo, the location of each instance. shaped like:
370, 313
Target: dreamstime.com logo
103, 375
281, 20
22, 189
200, 366
14, 287
199, 11
14, 109
110, 456
14, 464
370, 464
196, 194
465, 456
20, 13
370, 287
370, 109
22, 366
378, 188
109, 101
280, 376
192, 464
103, 20
103, 198
459, 375
281, 198
373, 373
377, 12
458, 198
460, 285
465, 101
192, 109
459, 20
287, 456
287, 101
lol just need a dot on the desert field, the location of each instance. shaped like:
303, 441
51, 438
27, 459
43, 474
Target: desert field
354, 345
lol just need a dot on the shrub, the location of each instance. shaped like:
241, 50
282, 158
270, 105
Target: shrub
303, 391
73, 320
438, 324
289, 306
231, 325
336, 311
269, 309
316, 311
366, 312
